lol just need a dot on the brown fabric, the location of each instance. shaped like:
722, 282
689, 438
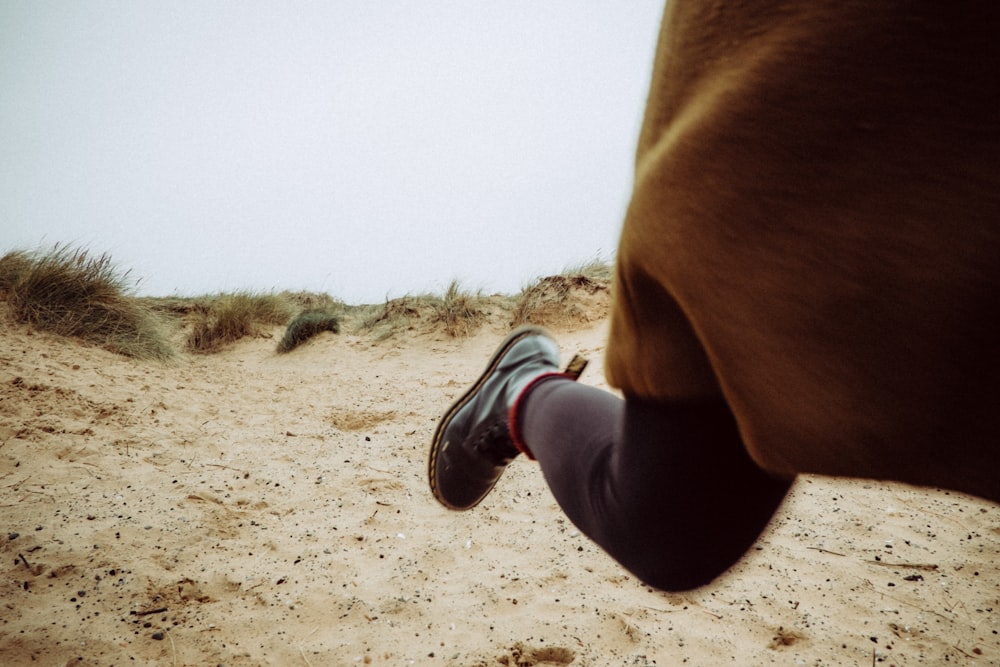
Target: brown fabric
814, 234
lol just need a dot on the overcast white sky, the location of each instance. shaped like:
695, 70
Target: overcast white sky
368, 149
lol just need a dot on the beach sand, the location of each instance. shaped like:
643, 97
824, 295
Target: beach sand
250, 508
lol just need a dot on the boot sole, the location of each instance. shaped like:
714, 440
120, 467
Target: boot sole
515, 336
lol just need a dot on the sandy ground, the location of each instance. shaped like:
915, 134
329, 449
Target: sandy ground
247, 508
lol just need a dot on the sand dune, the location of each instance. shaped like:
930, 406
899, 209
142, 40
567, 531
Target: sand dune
247, 508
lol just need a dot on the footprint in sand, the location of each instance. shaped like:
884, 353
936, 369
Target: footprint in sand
355, 420
520, 655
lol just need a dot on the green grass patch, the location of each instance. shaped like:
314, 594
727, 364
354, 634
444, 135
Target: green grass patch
307, 324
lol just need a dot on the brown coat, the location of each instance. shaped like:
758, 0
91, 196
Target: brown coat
815, 234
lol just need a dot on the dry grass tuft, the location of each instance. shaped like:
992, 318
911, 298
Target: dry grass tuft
577, 297
314, 301
395, 315
459, 311
15, 266
307, 324
599, 270
228, 318
69, 292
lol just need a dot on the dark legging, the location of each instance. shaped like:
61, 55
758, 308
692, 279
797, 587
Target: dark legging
666, 488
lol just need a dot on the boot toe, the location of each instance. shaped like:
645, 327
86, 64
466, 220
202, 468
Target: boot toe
462, 475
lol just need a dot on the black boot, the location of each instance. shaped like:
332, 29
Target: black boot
472, 444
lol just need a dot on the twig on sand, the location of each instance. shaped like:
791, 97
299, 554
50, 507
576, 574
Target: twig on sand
689, 603
303, 653
219, 465
826, 551
910, 566
159, 610
662, 611
16, 485
968, 655
78, 452
172, 647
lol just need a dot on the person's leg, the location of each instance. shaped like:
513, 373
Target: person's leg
667, 489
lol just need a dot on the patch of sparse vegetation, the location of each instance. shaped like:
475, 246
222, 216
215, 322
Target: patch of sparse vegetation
69, 292
577, 296
231, 317
394, 316
14, 268
460, 312
307, 324
598, 270
314, 301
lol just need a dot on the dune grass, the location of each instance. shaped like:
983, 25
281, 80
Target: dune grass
307, 324
556, 300
70, 292
314, 301
460, 311
598, 269
220, 321
393, 316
